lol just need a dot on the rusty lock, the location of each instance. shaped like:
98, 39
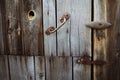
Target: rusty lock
87, 61
63, 20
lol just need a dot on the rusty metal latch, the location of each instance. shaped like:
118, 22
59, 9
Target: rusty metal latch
63, 20
86, 61
98, 25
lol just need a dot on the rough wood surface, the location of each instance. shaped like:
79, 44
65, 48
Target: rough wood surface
113, 46
81, 72
1, 34
108, 48
39, 68
58, 68
4, 28
80, 35
49, 16
20, 34
100, 43
13, 21
32, 29
21, 68
63, 35
4, 71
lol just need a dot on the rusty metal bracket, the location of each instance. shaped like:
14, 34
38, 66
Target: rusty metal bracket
63, 20
86, 61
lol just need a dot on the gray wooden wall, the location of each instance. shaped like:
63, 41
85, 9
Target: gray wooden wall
27, 53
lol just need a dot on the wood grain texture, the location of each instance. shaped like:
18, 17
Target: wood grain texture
80, 35
100, 45
58, 68
81, 72
63, 35
39, 68
108, 48
4, 71
113, 50
32, 30
21, 68
1, 35
4, 28
13, 20
21, 35
49, 16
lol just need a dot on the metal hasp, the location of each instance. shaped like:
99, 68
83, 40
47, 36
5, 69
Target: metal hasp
87, 61
63, 20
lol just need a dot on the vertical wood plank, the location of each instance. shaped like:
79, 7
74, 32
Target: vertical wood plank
58, 68
81, 72
63, 35
113, 50
13, 13
4, 72
4, 27
39, 68
80, 35
108, 48
100, 46
1, 34
32, 30
21, 68
49, 16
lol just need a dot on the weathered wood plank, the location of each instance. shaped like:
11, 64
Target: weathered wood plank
81, 72
100, 45
108, 48
39, 68
13, 13
49, 16
4, 72
80, 35
21, 68
4, 28
63, 35
1, 34
113, 46
32, 31
58, 68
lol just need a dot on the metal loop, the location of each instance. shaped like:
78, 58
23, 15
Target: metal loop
52, 29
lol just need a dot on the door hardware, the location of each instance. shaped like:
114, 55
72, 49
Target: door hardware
98, 25
87, 61
63, 20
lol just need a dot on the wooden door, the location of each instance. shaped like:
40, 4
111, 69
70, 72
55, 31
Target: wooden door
28, 53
